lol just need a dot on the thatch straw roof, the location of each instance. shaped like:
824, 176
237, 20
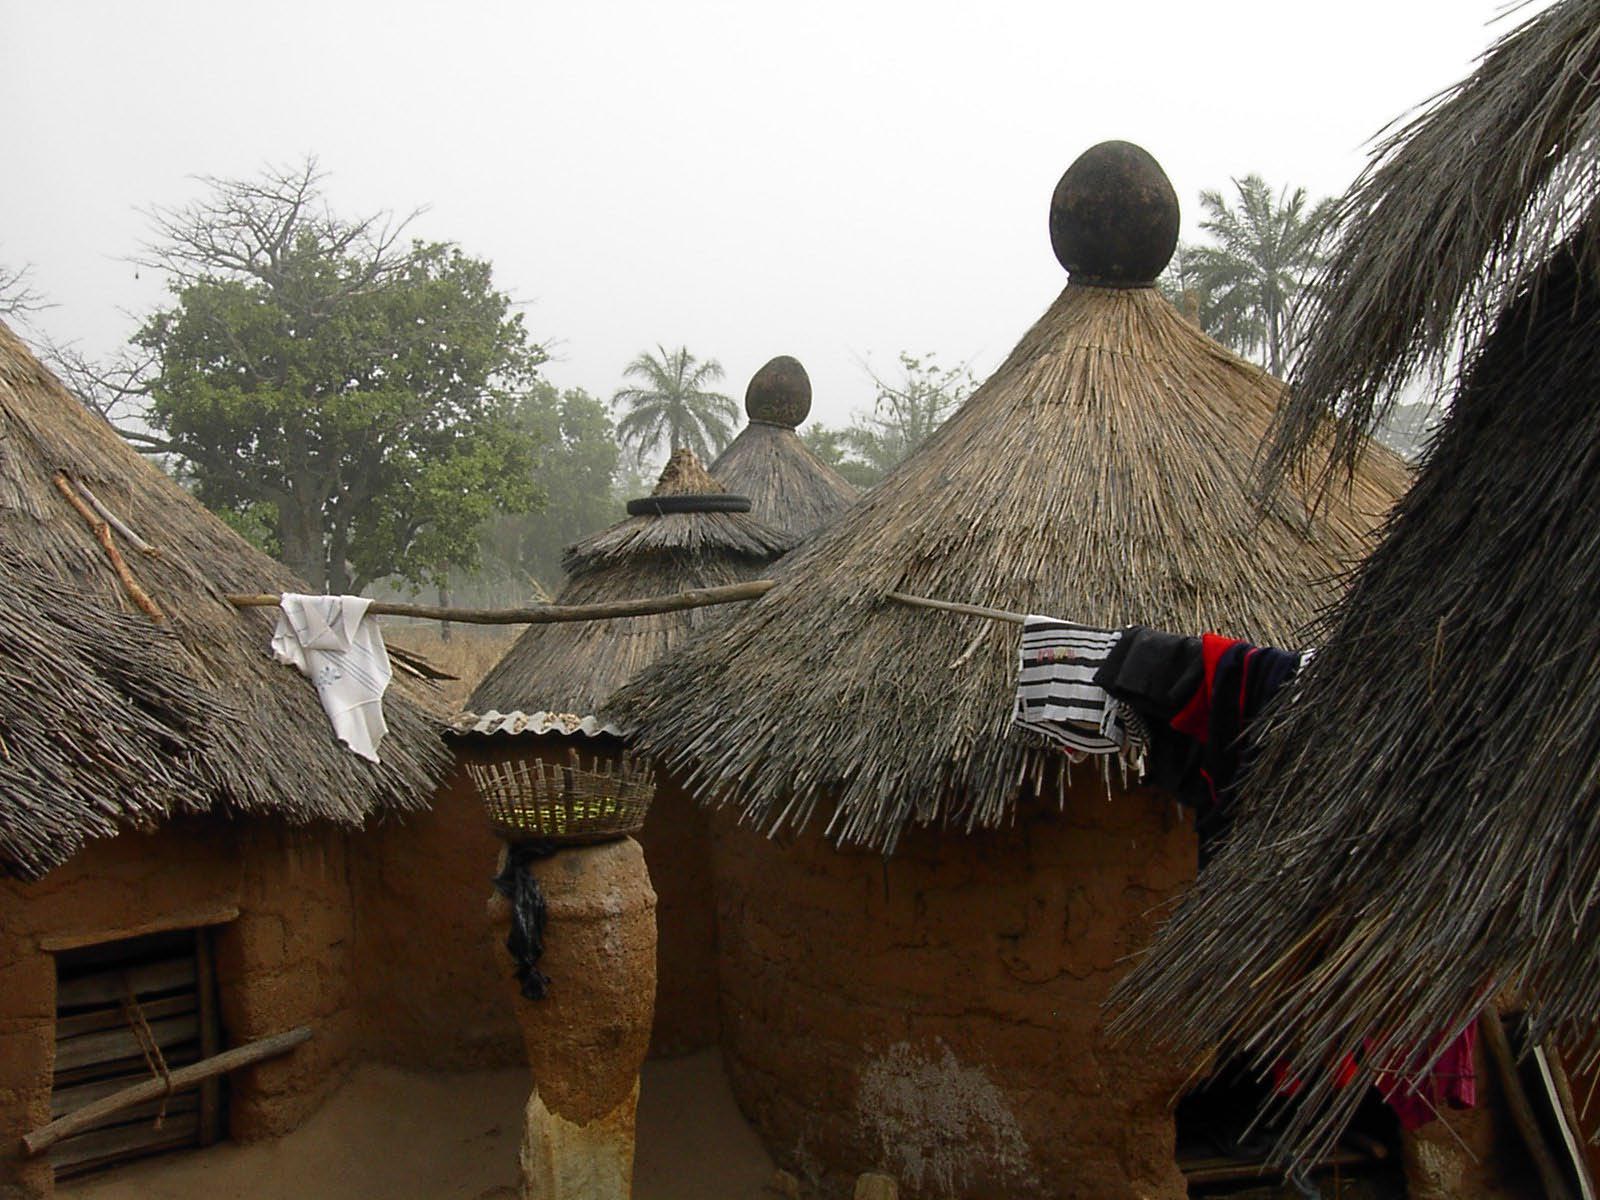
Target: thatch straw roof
789, 487
112, 720
1423, 826
1099, 474
574, 668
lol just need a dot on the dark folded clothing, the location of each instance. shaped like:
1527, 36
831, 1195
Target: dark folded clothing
1156, 672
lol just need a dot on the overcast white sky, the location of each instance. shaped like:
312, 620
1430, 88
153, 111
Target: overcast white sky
836, 181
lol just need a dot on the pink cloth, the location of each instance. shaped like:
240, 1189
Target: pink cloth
1452, 1082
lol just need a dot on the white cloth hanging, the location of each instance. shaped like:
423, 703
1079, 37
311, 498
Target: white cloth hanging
331, 642
1056, 693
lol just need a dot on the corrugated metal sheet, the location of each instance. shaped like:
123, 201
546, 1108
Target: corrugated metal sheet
514, 723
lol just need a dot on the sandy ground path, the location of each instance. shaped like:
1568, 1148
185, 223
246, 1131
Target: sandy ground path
409, 1135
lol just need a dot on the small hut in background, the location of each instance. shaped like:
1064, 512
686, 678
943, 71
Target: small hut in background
137, 926
538, 701
789, 487
924, 996
1422, 832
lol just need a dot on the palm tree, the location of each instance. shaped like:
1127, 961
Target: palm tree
1249, 277
674, 405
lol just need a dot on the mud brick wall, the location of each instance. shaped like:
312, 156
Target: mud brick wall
937, 1015
677, 850
283, 961
436, 990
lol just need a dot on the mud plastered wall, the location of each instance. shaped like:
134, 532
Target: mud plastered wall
677, 850
437, 991
937, 1015
283, 961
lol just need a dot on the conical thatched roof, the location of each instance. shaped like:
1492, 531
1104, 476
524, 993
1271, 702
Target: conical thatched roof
690, 534
1099, 474
126, 721
1423, 826
789, 487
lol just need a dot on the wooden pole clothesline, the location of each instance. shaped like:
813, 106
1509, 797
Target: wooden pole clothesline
547, 614
45, 1136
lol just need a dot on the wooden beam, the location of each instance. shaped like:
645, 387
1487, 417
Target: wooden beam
210, 1036
969, 610
45, 1136
106, 987
111, 1044
190, 918
1197, 1172
548, 614
1522, 1114
102, 533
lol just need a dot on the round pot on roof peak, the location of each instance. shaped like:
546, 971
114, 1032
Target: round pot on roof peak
1114, 217
779, 393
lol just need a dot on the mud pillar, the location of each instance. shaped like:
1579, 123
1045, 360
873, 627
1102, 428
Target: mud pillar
587, 1038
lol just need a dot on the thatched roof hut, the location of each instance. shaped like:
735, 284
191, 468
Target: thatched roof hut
1100, 474
1423, 826
112, 720
789, 487
690, 533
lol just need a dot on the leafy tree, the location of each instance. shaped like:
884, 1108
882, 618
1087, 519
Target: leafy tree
673, 404
906, 411
832, 446
1243, 284
903, 414
576, 465
348, 399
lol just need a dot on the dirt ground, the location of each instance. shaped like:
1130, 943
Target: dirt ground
407, 1135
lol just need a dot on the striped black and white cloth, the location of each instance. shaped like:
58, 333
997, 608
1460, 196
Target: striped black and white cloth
1057, 697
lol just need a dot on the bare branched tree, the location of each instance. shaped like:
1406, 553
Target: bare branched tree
18, 296
117, 390
252, 228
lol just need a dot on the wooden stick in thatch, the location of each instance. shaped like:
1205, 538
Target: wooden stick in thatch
102, 531
45, 1136
1505, 1063
547, 614
116, 522
969, 610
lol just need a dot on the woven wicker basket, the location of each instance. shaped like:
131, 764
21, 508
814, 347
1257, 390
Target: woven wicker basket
569, 803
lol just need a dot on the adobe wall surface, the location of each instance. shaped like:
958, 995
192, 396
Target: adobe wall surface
434, 991
284, 961
1476, 1152
936, 1016
289, 960
677, 849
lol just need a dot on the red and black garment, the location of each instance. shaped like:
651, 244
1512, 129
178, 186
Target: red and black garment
1200, 696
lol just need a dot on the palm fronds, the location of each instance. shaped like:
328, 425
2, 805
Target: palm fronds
675, 405
1252, 274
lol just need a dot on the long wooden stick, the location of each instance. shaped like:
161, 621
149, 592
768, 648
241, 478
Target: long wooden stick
546, 614
549, 614
970, 610
46, 1136
1571, 1130
102, 532
116, 522
1522, 1115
